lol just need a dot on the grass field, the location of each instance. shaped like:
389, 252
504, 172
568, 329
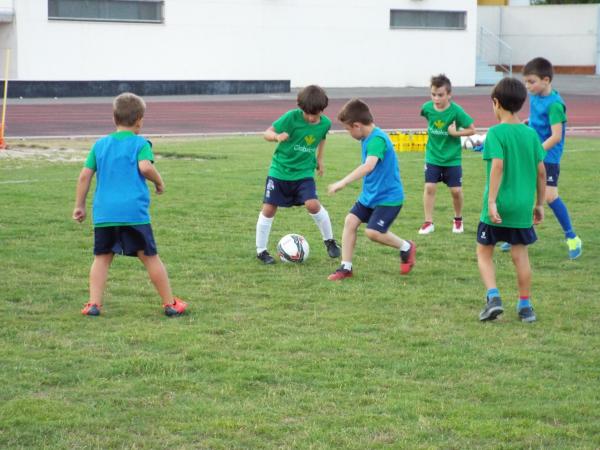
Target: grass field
279, 357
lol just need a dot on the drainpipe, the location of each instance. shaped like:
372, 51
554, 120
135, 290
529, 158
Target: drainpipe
598, 42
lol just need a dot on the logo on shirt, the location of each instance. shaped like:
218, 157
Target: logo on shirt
439, 124
310, 139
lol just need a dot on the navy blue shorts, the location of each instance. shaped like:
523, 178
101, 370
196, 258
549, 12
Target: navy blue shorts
490, 235
125, 240
552, 173
379, 218
289, 193
451, 175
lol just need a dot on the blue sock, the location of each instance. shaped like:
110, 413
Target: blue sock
523, 303
560, 211
493, 293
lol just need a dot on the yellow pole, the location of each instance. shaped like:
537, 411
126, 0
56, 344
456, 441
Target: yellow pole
6, 63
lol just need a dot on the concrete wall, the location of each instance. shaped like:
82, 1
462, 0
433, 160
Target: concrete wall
331, 42
567, 35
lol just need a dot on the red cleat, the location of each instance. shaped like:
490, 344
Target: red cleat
91, 309
339, 274
408, 258
177, 308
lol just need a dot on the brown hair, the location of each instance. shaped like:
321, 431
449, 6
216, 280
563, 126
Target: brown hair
441, 80
540, 67
128, 108
312, 99
355, 111
510, 93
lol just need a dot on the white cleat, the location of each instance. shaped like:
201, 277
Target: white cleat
426, 228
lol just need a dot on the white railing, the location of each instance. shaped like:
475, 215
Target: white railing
494, 51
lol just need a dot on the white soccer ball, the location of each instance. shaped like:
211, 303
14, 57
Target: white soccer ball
293, 248
467, 143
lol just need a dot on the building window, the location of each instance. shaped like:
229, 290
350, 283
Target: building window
425, 19
107, 10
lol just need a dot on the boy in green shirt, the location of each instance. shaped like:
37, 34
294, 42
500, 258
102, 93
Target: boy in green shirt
300, 135
515, 177
447, 122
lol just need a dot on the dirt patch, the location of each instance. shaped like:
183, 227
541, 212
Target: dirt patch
40, 152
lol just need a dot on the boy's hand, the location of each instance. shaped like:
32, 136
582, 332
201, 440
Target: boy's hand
538, 215
320, 169
452, 129
79, 214
334, 187
282, 137
160, 188
493, 213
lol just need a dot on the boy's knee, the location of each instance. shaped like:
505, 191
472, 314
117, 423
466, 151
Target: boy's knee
374, 235
312, 206
430, 188
456, 192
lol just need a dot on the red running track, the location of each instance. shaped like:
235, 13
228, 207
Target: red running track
197, 117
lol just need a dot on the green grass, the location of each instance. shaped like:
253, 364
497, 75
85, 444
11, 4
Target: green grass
279, 357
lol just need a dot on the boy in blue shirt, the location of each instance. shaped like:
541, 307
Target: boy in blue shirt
547, 116
382, 194
300, 135
123, 161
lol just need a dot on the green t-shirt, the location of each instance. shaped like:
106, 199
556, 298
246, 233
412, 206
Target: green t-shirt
557, 113
443, 149
296, 158
144, 154
521, 151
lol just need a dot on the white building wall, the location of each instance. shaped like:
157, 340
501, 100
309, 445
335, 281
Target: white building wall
567, 35
331, 42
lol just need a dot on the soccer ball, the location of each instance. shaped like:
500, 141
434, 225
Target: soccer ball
293, 248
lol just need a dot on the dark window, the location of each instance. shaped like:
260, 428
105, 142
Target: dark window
107, 10
436, 20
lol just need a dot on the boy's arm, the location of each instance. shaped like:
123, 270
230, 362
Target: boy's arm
83, 187
469, 131
538, 211
320, 167
150, 173
361, 171
272, 136
495, 179
555, 137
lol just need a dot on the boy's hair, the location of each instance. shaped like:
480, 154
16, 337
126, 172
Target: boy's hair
128, 108
441, 80
540, 67
312, 99
355, 110
510, 93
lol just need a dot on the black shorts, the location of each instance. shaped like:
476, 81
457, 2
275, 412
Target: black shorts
490, 235
552, 173
450, 175
125, 240
379, 218
289, 193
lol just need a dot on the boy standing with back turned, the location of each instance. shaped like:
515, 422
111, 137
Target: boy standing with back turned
547, 116
446, 123
300, 135
515, 179
122, 162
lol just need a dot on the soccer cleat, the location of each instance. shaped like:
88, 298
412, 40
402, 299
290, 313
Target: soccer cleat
575, 245
339, 274
527, 315
91, 309
408, 258
492, 310
457, 226
333, 249
426, 228
177, 308
265, 257
505, 247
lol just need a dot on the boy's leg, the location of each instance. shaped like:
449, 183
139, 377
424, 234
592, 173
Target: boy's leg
263, 230
457, 202
485, 262
520, 257
351, 224
98, 277
321, 218
428, 204
158, 276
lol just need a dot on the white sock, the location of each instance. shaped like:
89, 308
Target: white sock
347, 265
324, 223
405, 246
263, 229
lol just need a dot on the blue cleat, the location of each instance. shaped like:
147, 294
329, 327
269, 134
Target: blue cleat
575, 245
492, 310
527, 315
505, 247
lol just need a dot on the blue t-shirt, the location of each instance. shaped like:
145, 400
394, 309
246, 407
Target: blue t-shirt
540, 121
121, 195
383, 185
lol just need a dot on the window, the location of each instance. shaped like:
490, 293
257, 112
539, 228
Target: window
107, 10
437, 20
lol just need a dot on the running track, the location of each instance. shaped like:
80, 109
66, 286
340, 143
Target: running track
166, 117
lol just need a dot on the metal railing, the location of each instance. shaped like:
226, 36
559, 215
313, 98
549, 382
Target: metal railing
494, 51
